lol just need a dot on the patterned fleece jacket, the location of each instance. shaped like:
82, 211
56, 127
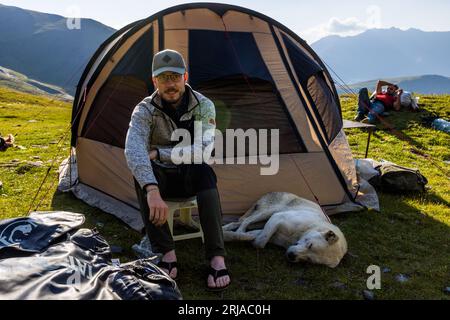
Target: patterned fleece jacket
152, 129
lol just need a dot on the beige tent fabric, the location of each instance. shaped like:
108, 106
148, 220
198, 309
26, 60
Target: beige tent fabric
243, 22
193, 19
317, 170
274, 63
178, 40
106, 71
342, 154
104, 167
278, 34
240, 186
205, 19
155, 37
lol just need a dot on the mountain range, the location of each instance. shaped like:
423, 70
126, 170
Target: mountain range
42, 47
386, 53
427, 84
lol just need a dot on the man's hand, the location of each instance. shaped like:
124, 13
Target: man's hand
159, 210
153, 155
380, 85
399, 92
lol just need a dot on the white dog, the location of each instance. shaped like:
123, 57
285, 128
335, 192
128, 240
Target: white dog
297, 224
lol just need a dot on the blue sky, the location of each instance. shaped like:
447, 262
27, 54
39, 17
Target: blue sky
311, 19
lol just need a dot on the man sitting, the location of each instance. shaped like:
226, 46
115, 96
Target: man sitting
380, 102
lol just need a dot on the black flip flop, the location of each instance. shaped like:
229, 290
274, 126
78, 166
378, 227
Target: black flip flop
217, 274
169, 266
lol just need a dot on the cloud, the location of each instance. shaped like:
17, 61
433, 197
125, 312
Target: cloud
344, 27
349, 25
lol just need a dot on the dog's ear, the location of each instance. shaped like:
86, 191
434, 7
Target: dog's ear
331, 237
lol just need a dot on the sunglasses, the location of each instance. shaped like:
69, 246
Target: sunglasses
169, 77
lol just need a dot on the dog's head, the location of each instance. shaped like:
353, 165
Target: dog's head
320, 246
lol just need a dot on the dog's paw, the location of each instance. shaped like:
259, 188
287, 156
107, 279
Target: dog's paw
231, 226
237, 236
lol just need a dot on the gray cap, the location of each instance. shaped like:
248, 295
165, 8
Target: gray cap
168, 60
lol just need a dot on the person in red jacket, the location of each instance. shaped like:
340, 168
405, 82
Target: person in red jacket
380, 101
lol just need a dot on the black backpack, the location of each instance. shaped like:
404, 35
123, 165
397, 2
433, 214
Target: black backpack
397, 179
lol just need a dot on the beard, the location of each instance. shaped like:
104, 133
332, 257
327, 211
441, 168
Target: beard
172, 95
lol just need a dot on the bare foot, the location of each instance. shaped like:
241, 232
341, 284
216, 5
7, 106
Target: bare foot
218, 263
170, 257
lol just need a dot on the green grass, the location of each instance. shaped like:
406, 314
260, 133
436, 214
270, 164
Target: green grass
410, 236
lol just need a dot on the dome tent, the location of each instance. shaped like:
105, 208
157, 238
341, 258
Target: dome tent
258, 73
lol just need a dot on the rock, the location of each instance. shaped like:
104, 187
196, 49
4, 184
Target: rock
351, 254
402, 278
99, 225
28, 166
35, 163
1, 185
32, 121
386, 270
36, 157
368, 295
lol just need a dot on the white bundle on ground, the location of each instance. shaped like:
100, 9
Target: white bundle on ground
408, 100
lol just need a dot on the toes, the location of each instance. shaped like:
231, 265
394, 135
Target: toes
222, 282
211, 282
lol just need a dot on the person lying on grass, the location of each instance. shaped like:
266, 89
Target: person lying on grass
371, 109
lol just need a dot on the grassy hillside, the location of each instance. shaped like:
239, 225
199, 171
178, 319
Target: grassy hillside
20, 82
411, 235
